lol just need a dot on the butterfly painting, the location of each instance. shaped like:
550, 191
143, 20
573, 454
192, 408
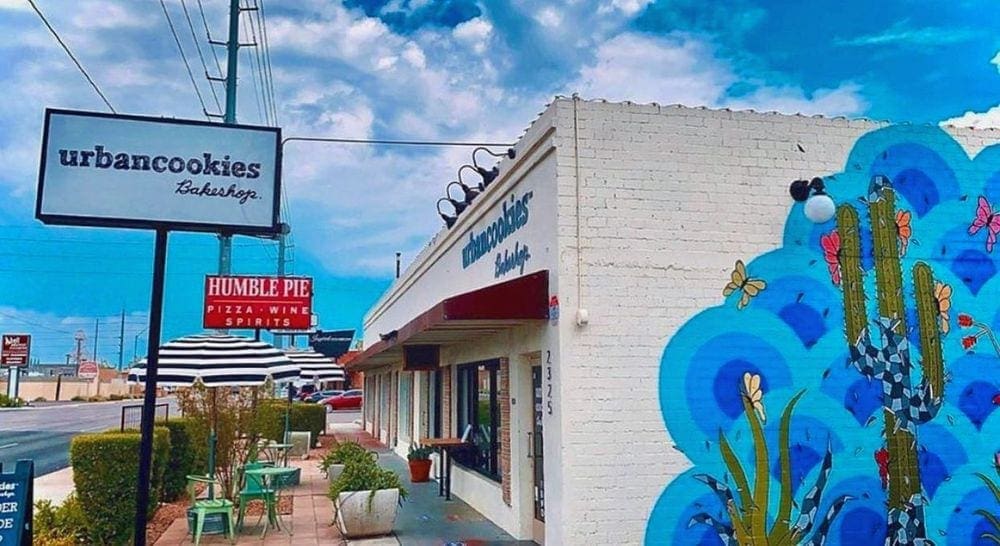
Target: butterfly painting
742, 283
754, 394
903, 230
986, 218
942, 294
831, 254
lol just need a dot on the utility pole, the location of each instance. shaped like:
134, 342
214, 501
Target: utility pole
97, 325
279, 341
79, 336
232, 59
121, 342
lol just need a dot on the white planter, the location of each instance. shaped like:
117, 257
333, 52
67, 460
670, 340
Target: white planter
334, 472
356, 518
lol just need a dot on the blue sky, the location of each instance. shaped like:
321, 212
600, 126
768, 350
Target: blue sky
419, 69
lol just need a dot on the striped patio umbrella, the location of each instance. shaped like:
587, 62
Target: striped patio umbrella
218, 360
315, 366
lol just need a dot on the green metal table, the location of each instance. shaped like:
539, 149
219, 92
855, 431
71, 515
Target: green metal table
268, 477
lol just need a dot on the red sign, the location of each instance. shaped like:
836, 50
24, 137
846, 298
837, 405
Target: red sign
258, 302
87, 369
14, 350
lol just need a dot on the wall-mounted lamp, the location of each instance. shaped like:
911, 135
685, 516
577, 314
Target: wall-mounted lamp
470, 192
490, 175
819, 207
448, 220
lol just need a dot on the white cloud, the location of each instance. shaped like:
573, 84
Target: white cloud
627, 7
996, 61
549, 17
989, 119
684, 69
15, 5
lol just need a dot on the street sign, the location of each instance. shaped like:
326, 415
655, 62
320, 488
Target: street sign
88, 369
114, 170
16, 502
254, 302
15, 350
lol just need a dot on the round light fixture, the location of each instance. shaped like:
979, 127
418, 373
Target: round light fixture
819, 207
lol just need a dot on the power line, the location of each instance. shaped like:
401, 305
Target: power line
200, 56
261, 106
73, 57
208, 34
394, 142
268, 99
267, 55
184, 58
35, 324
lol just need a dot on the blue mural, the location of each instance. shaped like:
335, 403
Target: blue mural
845, 392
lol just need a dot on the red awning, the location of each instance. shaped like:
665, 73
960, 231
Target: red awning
459, 318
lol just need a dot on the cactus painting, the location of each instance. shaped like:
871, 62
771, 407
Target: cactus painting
877, 364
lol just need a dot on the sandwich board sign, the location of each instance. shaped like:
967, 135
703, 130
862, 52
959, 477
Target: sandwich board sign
16, 502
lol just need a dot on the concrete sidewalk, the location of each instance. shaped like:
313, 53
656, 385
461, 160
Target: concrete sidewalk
55, 486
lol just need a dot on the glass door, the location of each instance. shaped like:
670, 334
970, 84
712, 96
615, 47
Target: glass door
537, 452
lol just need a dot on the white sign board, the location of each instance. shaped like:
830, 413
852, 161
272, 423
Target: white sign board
130, 171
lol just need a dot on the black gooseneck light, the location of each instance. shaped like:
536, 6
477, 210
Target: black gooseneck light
490, 175
470, 193
448, 220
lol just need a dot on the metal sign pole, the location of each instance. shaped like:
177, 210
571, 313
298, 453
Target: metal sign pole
149, 401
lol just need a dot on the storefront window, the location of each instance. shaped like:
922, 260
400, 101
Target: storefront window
405, 405
479, 415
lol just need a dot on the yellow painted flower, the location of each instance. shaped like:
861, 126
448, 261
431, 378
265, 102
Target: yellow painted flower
942, 293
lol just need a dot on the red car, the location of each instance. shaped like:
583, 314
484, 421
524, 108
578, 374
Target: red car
345, 400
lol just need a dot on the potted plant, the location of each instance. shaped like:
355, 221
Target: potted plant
366, 498
332, 464
419, 458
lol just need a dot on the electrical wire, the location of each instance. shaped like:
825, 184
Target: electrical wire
267, 55
261, 112
194, 39
393, 142
73, 57
258, 67
184, 58
208, 34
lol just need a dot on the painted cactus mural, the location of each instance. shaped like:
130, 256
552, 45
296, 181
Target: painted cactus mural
875, 332
880, 350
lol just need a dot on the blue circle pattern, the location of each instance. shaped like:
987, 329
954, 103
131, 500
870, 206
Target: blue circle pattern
791, 334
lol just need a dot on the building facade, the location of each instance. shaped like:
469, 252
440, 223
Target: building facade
635, 324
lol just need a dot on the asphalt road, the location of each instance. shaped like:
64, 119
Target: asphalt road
44, 433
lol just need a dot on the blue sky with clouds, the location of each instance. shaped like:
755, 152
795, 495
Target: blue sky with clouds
422, 69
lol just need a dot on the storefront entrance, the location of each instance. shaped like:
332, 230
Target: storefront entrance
537, 452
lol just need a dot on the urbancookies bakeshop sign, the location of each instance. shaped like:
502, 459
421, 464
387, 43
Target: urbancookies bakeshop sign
132, 171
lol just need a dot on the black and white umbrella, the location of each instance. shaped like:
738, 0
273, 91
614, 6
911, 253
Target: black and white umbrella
218, 360
315, 366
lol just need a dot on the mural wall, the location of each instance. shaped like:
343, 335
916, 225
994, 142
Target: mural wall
845, 392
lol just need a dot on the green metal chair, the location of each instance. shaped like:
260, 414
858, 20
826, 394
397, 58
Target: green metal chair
253, 489
203, 507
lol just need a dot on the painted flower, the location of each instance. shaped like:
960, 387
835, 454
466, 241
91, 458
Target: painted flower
968, 342
754, 394
882, 460
942, 293
831, 254
996, 460
996, 399
965, 320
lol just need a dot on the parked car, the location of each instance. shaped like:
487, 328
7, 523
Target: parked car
345, 400
305, 391
322, 395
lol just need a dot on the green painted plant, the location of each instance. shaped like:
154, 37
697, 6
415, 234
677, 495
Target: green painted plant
992, 518
882, 353
749, 523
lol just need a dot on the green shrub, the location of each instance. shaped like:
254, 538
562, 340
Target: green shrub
78, 398
303, 417
183, 457
65, 524
346, 453
115, 397
40, 399
360, 476
105, 471
419, 453
8, 402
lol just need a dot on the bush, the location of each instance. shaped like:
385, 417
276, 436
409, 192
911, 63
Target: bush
78, 398
303, 417
362, 476
40, 399
8, 402
105, 471
182, 460
62, 525
347, 453
115, 397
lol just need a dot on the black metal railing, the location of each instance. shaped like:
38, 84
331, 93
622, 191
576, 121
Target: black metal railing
132, 415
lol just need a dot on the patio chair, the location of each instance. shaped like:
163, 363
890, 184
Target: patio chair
202, 507
253, 489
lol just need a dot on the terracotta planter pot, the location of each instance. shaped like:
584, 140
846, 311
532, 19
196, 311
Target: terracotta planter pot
420, 471
361, 514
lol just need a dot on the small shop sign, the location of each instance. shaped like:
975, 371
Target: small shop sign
255, 302
15, 350
132, 171
16, 500
88, 369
